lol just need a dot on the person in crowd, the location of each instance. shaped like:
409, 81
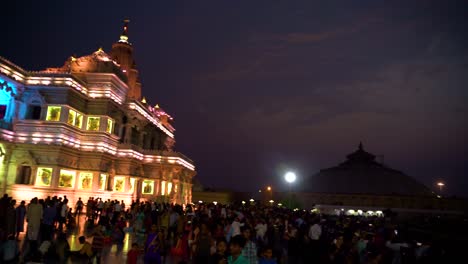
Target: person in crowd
63, 214
203, 245
152, 247
20, 215
34, 215
49, 216
236, 245
85, 252
9, 251
62, 248
98, 241
260, 230
133, 254
10, 215
79, 207
220, 257
249, 250
267, 256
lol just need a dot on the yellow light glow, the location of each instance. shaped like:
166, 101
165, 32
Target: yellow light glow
75, 118
110, 126
93, 123
163, 187
119, 183
67, 178
85, 181
44, 176
269, 188
169, 188
148, 187
53, 113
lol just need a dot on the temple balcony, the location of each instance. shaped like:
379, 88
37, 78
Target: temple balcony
60, 133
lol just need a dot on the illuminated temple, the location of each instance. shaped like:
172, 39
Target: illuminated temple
84, 130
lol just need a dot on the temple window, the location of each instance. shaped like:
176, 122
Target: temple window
24, 175
43, 176
93, 123
34, 112
67, 179
110, 126
148, 187
119, 184
53, 113
85, 181
102, 182
75, 118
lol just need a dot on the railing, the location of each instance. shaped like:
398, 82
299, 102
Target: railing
154, 152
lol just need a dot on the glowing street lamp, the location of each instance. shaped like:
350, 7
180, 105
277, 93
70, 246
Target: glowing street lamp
271, 202
441, 185
290, 177
269, 188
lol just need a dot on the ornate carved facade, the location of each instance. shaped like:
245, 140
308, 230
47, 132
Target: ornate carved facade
83, 130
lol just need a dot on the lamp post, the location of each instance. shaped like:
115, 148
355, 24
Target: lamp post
269, 193
441, 185
290, 177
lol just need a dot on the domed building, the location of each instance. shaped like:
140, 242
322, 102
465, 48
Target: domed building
362, 184
362, 174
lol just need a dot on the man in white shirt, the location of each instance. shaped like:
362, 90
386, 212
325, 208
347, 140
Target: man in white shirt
315, 231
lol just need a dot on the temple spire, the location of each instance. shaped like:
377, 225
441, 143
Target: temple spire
124, 35
360, 146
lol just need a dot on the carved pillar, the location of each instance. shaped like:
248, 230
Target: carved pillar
110, 176
189, 193
141, 141
175, 191
157, 187
128, 134
138, 187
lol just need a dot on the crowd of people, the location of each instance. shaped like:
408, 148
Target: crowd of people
203, 234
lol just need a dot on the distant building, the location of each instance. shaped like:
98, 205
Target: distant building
362, 174
84, 130
359, 185
363, 183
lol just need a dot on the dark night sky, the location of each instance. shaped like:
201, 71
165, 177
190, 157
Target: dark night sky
260, 87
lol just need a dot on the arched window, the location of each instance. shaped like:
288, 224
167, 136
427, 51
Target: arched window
34, 112
24, 175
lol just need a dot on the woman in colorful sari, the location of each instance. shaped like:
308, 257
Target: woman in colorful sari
152, 247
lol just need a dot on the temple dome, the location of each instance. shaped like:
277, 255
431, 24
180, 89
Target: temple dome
362, 174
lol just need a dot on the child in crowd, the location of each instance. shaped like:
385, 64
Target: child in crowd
220, 257
133, 254
236, 245
267, 256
